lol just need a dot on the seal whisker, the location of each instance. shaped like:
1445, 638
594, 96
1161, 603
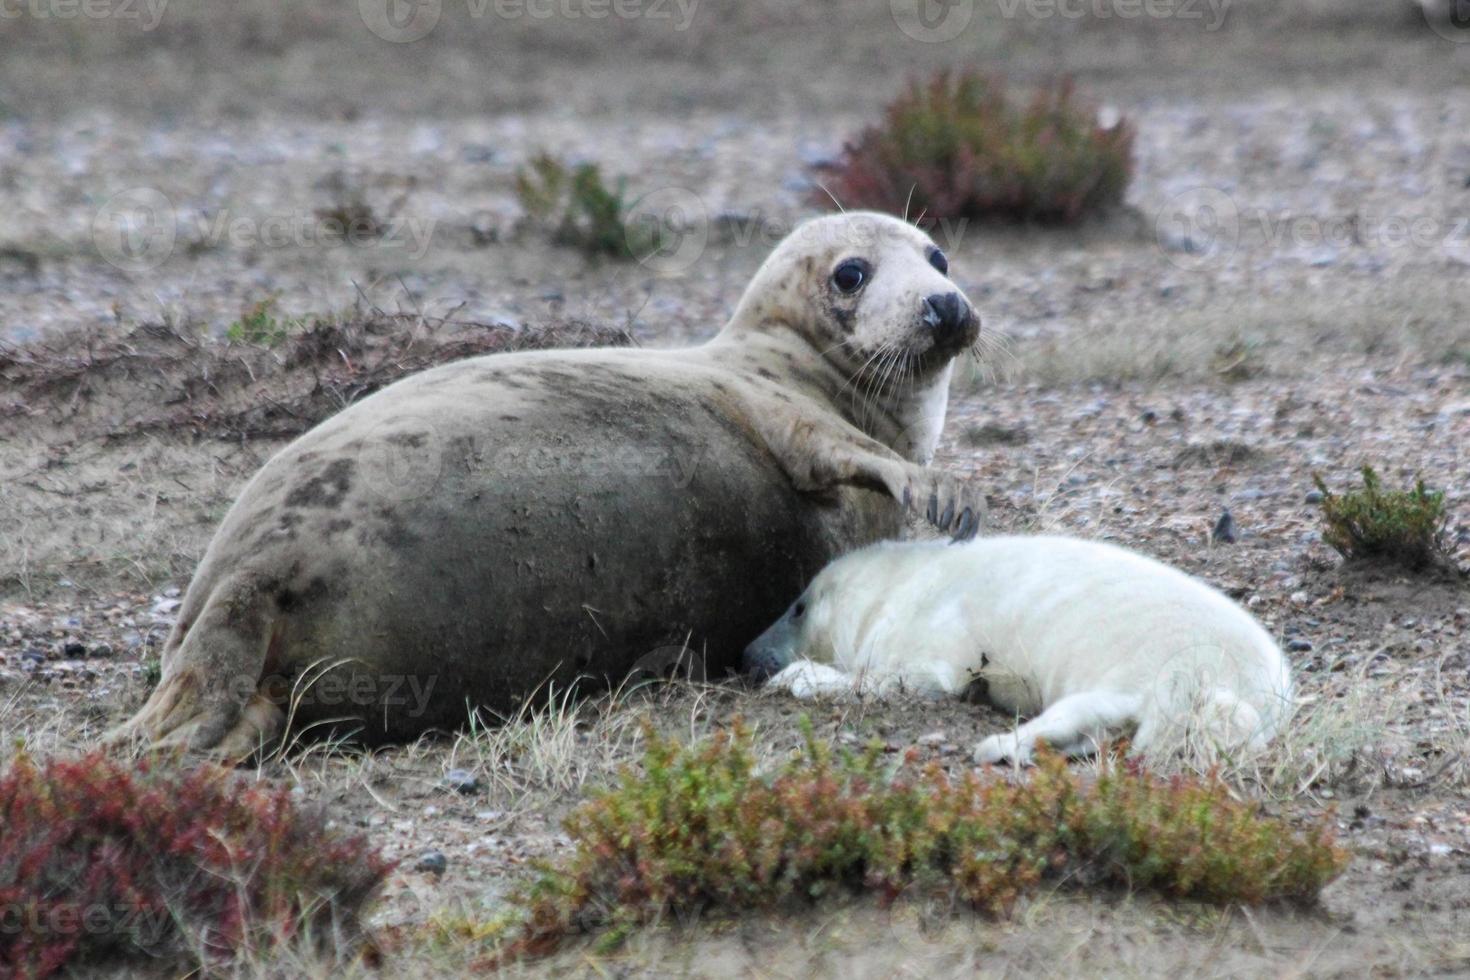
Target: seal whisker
862, 396
832, 196
852, 379
874, 391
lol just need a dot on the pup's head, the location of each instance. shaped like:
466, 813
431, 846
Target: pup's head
868, 290
830, 616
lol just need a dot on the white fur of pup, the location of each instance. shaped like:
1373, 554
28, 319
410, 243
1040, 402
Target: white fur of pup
1088, 637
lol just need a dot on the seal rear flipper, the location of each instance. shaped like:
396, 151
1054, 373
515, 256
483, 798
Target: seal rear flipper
208, 699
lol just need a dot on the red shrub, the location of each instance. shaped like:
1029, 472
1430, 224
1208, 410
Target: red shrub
100, 857
955, 148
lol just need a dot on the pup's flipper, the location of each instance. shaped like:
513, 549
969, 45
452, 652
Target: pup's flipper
807, 679
1075, 725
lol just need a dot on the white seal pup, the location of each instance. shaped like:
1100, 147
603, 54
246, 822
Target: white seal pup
1087, 637
484, 528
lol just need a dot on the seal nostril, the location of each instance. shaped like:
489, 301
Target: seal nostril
944, 312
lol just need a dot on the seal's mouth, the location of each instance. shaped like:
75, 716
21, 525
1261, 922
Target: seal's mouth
945, 327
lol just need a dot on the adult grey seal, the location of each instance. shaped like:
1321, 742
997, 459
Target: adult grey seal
475, 531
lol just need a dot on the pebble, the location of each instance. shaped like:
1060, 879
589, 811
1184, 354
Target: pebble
433, 862
931, 739
1225, 531
462, 781
1299, 646
1314, 497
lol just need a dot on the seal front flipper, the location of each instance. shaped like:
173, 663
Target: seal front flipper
821, 454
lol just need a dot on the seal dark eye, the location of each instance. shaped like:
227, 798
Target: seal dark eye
850, 275
939, 261
798, 610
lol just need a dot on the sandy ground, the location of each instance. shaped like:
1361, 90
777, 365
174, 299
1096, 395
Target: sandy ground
1288, 294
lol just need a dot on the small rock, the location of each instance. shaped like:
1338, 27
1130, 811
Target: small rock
73, 650
1314, 497
462, 781
1225, 531
477, 153
1299, 646
433, 862
172, 592
933, 738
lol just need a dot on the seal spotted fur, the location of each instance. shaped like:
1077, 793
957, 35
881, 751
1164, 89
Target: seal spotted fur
486, 527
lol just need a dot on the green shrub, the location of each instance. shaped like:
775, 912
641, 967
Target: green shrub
260, 326
100, 858
1402, 527
581, 211
700, 827
956, 148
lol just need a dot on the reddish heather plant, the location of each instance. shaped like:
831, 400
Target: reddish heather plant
103, 858
955, 148
700, 827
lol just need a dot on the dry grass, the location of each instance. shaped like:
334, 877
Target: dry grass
318, 56
1391, 323
1342, 739
1348, 738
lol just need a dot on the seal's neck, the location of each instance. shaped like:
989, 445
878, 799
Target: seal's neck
905, 414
